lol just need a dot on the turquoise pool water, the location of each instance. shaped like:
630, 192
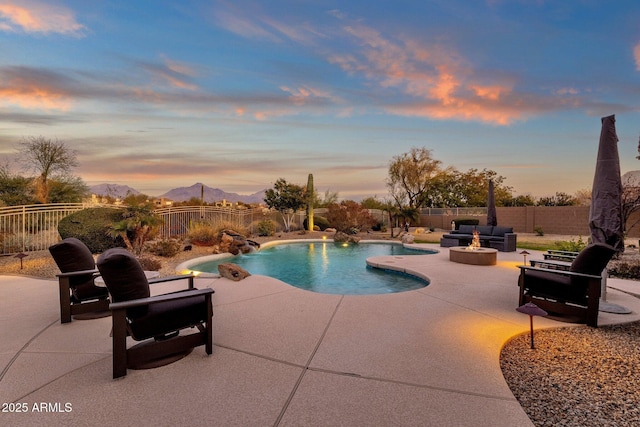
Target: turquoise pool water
327, 267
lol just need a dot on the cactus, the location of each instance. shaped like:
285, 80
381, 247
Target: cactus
310, 201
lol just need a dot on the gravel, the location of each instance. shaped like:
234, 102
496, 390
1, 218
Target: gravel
577, 376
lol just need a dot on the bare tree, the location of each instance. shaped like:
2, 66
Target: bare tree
630, 200
47, 159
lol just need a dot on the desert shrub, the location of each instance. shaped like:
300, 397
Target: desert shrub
92, 226
209, 233
625, 269
202, 234
318, 221
570, 245
465, 221
164, 248
149, 263
349, 217
266, 227
379, 226
538, 230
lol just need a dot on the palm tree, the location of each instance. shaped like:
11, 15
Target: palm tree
138, 225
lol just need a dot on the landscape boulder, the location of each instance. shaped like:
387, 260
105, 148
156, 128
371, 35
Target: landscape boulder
232, 272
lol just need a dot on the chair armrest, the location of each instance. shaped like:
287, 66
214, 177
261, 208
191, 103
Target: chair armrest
562, 272
190, 277
160, 298
551, 265
79, 273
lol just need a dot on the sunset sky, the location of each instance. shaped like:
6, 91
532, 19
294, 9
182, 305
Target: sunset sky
236, 94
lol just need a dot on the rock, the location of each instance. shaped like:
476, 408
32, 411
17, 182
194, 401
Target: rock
341, 237
407, 238
330, 230
232, 272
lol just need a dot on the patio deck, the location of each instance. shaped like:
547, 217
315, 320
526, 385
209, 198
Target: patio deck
288, 357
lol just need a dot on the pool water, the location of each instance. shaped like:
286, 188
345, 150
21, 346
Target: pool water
327, 267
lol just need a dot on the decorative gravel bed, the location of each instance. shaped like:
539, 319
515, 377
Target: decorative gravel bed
577, 376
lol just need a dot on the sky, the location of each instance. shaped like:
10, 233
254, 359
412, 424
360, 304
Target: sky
236, 94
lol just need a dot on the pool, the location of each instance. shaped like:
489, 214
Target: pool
327, 267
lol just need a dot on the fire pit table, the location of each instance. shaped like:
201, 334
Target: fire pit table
477, 256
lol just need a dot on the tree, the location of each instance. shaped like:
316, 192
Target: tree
47, 159
466, 189
411, 176
68, 189
630, 200
521, 200
349, 216
311, 200
559, 199
287, 199
15, 189
138, 225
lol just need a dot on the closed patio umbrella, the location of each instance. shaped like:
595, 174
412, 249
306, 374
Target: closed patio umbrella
492, 218
605, 215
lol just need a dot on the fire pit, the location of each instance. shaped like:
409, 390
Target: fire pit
473, 254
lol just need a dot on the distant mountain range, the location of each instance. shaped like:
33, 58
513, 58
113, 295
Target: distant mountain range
182, 194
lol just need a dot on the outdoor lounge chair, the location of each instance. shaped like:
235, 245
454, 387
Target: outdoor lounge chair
573, 292
78, 293
155, 320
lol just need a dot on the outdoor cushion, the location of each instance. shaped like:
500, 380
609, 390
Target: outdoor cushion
550, 284
169, 316
72, 255
501, 231
127, 280
592, 259
466, 229
484, 230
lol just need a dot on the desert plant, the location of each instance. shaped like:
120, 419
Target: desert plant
538, 230
570, 245
137, 225
311, 199
92, 226
349, 216
165, 248
318, 221
266, 228
202, 234
149, 263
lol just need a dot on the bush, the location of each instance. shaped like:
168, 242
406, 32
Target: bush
538, 230
465, 221
266, 228
165, 248
93, 227
149, 263
570, 245
318, 221
349, 216
202, 234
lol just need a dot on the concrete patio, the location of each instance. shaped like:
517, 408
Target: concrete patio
289, 357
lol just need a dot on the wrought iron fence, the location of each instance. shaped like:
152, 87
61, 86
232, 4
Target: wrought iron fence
32, 227
35, 227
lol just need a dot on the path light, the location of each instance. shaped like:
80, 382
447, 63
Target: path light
524, 255
20, 256
532, 310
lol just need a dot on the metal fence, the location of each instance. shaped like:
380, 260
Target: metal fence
177, 220
35, 227
32, 227
455, 211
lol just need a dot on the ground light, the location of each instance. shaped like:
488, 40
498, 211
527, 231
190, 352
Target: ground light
524, 255
20, 256
532, 310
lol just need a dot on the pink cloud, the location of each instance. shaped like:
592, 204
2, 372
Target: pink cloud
38, 17
444, 83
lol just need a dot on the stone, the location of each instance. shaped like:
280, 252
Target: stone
232, 271
341, 237
407, 238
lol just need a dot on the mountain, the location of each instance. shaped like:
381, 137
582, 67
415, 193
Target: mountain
183, 194
113, 190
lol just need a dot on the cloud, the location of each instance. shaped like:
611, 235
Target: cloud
439, 82
636, 55
34, 89
38, 17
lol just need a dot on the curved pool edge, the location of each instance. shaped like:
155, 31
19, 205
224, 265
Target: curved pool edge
185, 267
387, 262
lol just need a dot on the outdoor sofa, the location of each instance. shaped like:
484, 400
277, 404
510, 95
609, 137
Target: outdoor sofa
500, 238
